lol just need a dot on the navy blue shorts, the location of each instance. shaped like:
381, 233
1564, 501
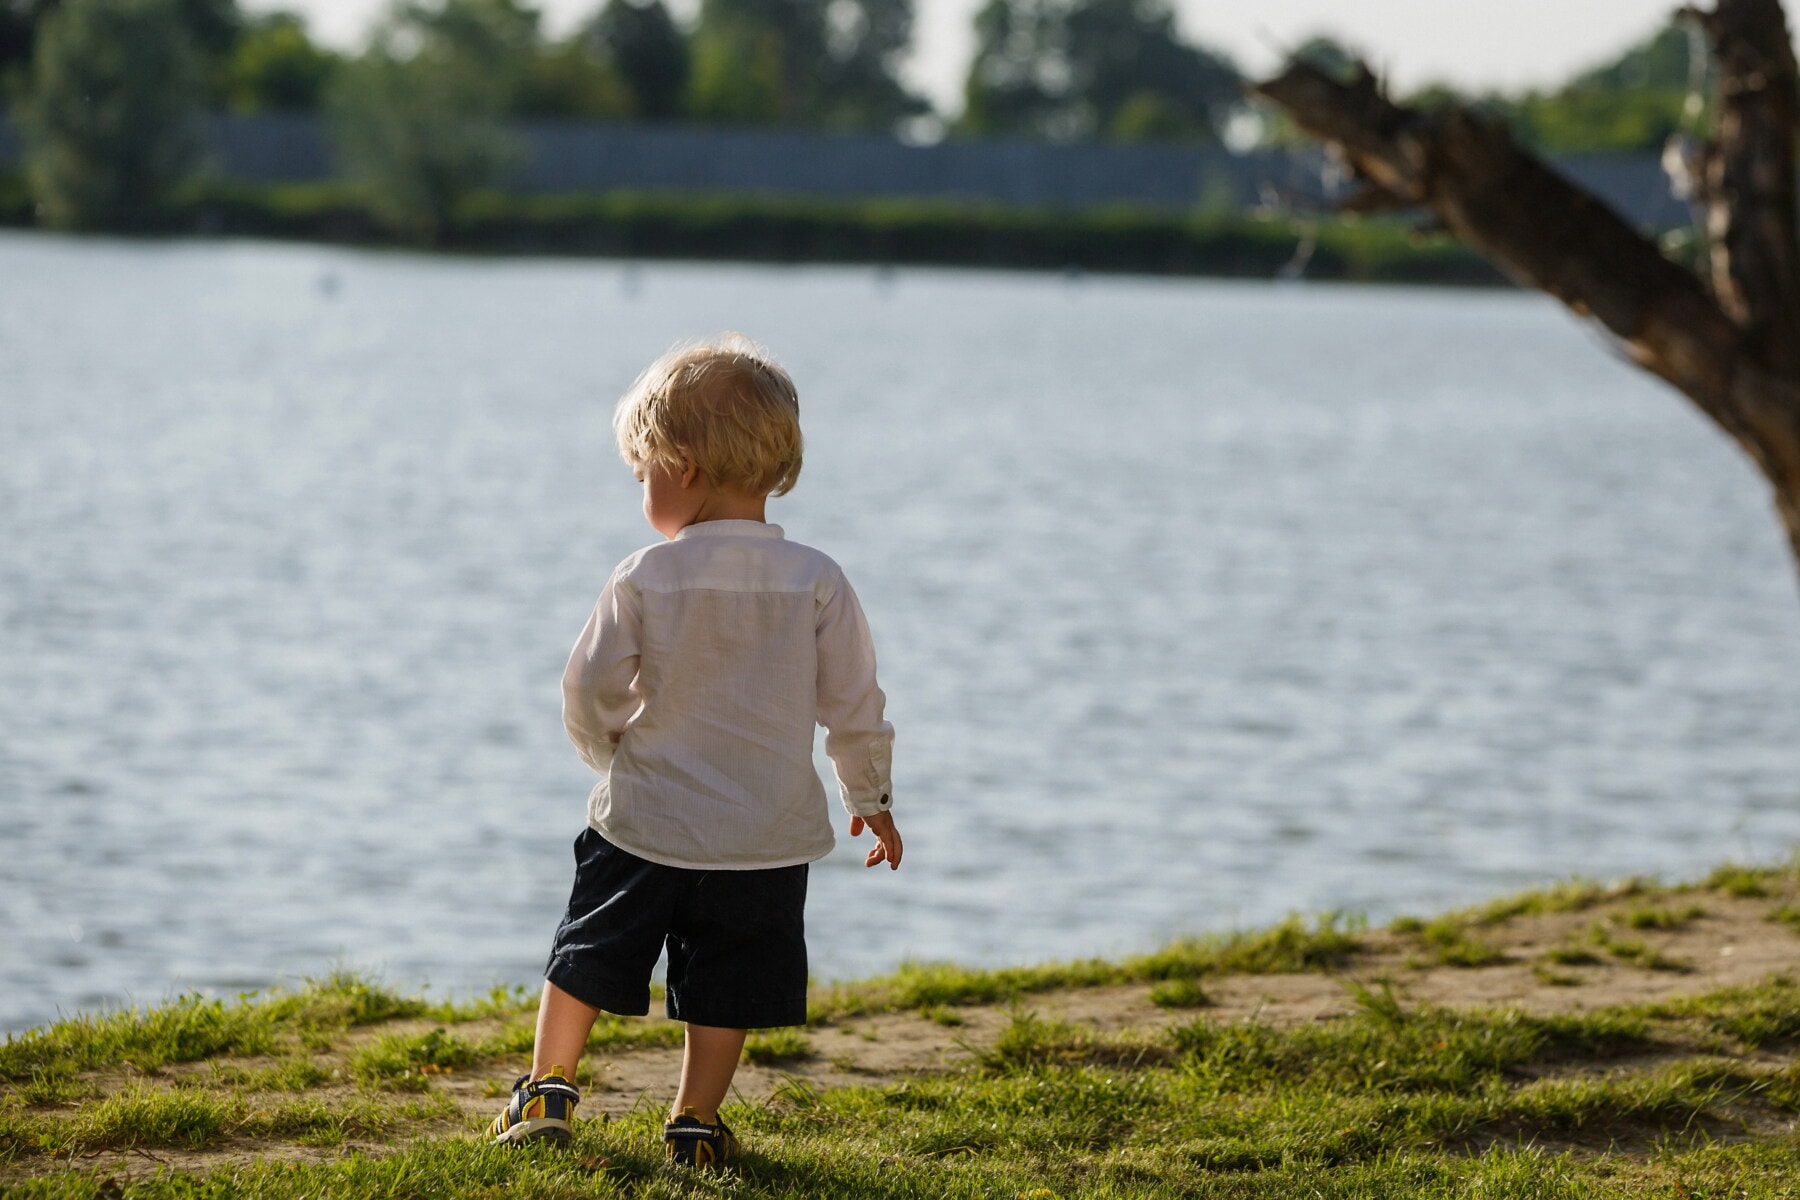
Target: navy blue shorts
736, 939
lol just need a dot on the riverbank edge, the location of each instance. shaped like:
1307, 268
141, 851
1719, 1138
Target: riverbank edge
759, 228
1324, 1055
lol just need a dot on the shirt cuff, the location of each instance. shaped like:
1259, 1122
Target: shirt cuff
868, 804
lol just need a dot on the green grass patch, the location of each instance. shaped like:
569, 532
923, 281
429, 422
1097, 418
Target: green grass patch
140, 1116
1390, 1050
184, 1118
1735, 879
1453, 938
1635, 952
1572, 954
407, 1061
1029, 1043
1765, 1015
1655, 917
912, 1158
1179, 993
185, 1030
1574, 895
610, 1032
613, 1032
769, 1046
1332, 941
296, 1074
190, 1028
1450, 942
500, 1002
1554, 978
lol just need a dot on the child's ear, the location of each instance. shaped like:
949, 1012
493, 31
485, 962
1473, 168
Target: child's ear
690, 470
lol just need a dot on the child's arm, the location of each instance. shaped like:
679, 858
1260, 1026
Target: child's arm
858, 738
599, 685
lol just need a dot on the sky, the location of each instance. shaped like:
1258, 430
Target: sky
1476, 44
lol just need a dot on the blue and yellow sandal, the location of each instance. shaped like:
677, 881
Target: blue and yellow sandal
691, 1142
542, 1110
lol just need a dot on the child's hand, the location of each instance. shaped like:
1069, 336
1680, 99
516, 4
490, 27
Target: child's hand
887, 839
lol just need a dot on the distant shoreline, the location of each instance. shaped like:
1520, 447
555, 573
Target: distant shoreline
756, 228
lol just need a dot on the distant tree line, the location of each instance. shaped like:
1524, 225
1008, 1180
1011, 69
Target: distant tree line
104, 92
1117, 70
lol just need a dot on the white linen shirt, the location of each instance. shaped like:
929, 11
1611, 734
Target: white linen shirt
695, 689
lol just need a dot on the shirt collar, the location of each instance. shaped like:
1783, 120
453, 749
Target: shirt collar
755, 529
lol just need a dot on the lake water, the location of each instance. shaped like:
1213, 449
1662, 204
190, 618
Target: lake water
1198, 603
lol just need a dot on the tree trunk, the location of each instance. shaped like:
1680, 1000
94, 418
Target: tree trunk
1728, 338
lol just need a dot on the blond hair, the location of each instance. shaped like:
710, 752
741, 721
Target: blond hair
726, 405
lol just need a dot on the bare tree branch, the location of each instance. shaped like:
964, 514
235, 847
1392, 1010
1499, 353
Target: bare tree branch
1534, 224
1730, 343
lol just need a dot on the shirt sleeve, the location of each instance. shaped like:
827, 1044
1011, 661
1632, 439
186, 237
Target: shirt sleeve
858, 740
600, 693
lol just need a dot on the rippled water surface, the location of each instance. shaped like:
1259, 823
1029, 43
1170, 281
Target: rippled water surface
1197, 603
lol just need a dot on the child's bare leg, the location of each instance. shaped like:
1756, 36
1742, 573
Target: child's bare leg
708, 1062
562, 1029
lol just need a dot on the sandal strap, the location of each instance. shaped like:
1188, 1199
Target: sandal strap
692, 1128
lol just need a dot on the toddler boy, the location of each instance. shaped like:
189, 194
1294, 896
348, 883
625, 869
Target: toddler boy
694, 691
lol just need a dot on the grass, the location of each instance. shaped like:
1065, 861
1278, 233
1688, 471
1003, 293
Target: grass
1550, 976
1028, 1042
1754, 1017
1331, 941
1735, 879
609, 1033
1179, 993
1634, 951
1653, 917
767, 1047
192, 1028
139, 1116
1574, 895
342, 1088
1452, 944
1470, 1054
1454, 938
406, 1061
